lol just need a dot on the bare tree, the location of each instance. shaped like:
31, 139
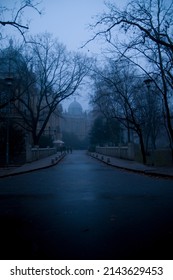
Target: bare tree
146, 40
55, 74
13, 16
119, 94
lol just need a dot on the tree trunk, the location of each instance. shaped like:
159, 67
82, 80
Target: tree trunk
144, 159
35, 139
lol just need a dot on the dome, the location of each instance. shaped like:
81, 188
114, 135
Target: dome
75, 108
11, 61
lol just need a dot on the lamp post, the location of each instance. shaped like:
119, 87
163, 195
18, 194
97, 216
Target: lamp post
8, 81
148, 84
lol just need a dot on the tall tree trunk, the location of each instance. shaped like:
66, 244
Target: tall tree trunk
144, 159
35, 139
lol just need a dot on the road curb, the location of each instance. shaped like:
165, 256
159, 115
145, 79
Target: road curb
34, 169
144, 172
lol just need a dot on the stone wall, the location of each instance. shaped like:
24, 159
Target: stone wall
124, 152
159, 157
37, 153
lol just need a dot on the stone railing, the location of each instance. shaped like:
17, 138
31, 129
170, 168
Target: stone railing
159, 157
124, 152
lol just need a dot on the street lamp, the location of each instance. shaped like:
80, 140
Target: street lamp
9, 82
148, 84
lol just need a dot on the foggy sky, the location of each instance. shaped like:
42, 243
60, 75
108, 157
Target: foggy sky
68, 20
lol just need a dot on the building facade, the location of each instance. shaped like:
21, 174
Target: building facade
75, 125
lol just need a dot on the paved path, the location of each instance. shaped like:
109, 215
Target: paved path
84, 209
164, 172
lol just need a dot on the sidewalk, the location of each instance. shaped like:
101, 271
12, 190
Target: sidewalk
165, 172
33, 166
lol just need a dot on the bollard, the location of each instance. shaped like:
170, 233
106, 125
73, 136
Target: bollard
52, 161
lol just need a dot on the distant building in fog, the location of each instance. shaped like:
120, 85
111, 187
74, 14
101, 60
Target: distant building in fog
75, 123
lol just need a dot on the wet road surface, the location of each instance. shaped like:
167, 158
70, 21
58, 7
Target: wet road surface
84, 209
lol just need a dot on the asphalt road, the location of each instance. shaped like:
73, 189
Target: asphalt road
84, 209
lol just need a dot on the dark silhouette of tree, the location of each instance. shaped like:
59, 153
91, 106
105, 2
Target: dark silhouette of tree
121, 94
54, 75
104, 131
146, 40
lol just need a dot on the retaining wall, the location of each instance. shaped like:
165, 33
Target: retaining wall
124, 152
159, 157
33, 154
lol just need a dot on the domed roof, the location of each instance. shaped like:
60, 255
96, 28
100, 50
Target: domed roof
11, 60
75, 108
